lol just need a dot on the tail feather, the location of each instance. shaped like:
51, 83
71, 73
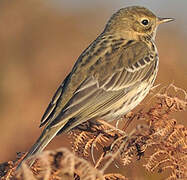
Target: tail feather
46, 136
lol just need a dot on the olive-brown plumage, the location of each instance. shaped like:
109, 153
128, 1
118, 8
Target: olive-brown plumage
110, 77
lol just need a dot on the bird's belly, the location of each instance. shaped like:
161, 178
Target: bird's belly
127, 103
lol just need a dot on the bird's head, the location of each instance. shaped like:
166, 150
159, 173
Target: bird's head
135, 21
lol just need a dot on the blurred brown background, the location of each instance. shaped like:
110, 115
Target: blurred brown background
41, 40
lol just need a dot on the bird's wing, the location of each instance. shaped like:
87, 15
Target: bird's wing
53, 104
105, 84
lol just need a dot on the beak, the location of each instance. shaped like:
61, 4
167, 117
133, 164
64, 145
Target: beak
164, 20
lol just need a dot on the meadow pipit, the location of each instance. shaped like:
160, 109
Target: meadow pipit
109, 79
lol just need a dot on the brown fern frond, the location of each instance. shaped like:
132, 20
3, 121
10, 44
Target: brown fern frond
177, 136
56, 165
87, 147
94, 136
155, 160
168, 139
127, 147
114, 177
80, 140
6, 170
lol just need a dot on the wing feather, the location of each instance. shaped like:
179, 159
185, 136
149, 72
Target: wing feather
52, 105
100, 89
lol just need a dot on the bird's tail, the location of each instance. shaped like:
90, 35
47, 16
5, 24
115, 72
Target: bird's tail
46, 136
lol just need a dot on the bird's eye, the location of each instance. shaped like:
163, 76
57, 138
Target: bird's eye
145, 22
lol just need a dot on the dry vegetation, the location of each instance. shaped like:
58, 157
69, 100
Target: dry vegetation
160, 135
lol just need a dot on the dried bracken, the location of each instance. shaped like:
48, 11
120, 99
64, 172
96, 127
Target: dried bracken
55, 165
159, 135
169, 139
95, 135
114, 177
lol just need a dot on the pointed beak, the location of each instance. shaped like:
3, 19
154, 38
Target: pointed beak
164, 20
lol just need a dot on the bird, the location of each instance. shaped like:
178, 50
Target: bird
109, 79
